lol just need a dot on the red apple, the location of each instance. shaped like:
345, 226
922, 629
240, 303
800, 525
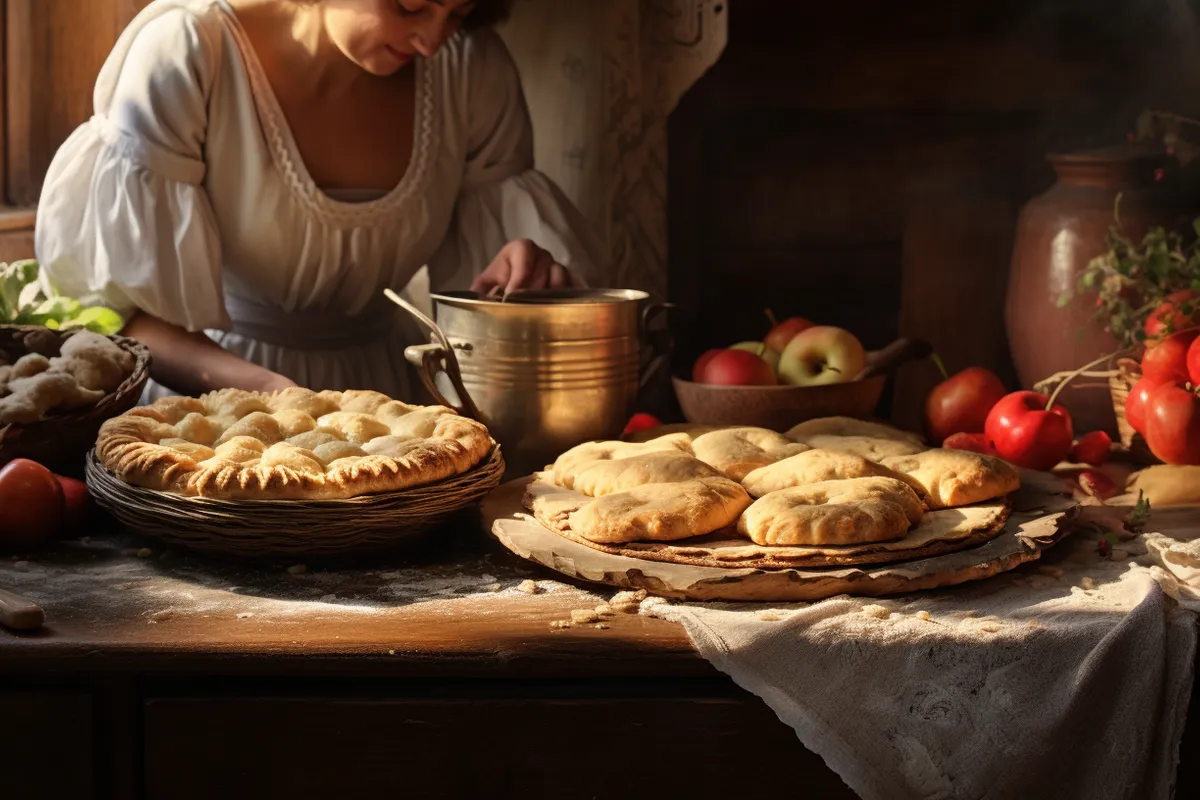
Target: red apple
1173, 424
822, 355
781, 335
1025, 433
1193, 362
1167, 360
738, 368
973, 442
1135, 404
1170, 316
960, 404
702, 364
1092, 448
640, 421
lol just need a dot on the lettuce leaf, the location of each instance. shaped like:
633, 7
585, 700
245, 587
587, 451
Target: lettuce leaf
23, 301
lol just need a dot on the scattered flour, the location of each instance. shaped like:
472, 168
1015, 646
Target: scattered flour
112, 572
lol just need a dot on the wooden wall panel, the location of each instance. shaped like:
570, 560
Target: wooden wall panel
863, 163
54, 49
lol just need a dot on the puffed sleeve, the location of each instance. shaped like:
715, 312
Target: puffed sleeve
503, 198
124, 219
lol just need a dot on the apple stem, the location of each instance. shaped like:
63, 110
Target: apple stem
833, 369
771, 317
941, 365
1063, 384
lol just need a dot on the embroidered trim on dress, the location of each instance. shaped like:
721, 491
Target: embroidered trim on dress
284, 150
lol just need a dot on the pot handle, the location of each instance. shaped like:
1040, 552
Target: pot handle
660, 341
437, 356
895, 355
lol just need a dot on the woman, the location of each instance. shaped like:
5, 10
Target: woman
258, 171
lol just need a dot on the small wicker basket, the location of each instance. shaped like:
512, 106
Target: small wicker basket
277, 528
61, 440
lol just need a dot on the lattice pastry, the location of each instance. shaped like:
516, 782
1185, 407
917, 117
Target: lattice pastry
293, 444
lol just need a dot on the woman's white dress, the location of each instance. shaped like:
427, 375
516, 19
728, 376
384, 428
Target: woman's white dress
185, 196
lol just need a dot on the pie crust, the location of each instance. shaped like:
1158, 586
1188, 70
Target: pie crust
295, 444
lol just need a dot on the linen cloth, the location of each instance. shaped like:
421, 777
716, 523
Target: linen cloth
186, 188
1067, 678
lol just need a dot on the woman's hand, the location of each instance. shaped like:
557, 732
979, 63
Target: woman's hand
272, 382
521, 265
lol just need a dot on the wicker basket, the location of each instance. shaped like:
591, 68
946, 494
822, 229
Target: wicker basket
274, 528
61, 440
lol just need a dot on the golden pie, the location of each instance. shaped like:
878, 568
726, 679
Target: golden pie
294, 444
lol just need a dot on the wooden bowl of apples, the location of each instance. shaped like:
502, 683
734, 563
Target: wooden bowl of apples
811, 371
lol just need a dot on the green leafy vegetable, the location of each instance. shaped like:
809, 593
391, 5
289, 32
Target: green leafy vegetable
1130, 279
24, 301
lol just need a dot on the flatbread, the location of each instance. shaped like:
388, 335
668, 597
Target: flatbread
601, 478
812, 466
689, 429
940, 533
951, 478
654, 512
842, 512
848, 426
570, 463
868, 447
739, 451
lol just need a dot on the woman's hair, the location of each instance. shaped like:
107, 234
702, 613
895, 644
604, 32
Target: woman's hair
488, 12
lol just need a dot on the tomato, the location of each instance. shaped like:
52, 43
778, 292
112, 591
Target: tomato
1170, 315
1025, 433
31, 505
960, 404
1173, 424
1135, 404
641, 422
1092, 448
972, 442
1193, 362
1167, 360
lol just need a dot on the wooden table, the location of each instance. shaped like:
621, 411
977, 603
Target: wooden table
172, 676
425, 674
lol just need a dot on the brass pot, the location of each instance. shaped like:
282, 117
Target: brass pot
544, 370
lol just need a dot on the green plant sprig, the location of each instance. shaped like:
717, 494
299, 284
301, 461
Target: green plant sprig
1131, 279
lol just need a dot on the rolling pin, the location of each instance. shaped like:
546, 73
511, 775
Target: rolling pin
19, 614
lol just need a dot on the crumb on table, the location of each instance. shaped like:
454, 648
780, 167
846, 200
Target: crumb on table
876, 611
528, 587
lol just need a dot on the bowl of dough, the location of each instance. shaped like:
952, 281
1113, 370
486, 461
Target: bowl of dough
57, 387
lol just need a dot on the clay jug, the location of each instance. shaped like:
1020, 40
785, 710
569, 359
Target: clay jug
1058, 233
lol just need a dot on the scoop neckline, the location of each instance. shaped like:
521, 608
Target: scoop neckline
282, 143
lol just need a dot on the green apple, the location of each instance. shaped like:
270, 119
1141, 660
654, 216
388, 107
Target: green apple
762, 351
822, 355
